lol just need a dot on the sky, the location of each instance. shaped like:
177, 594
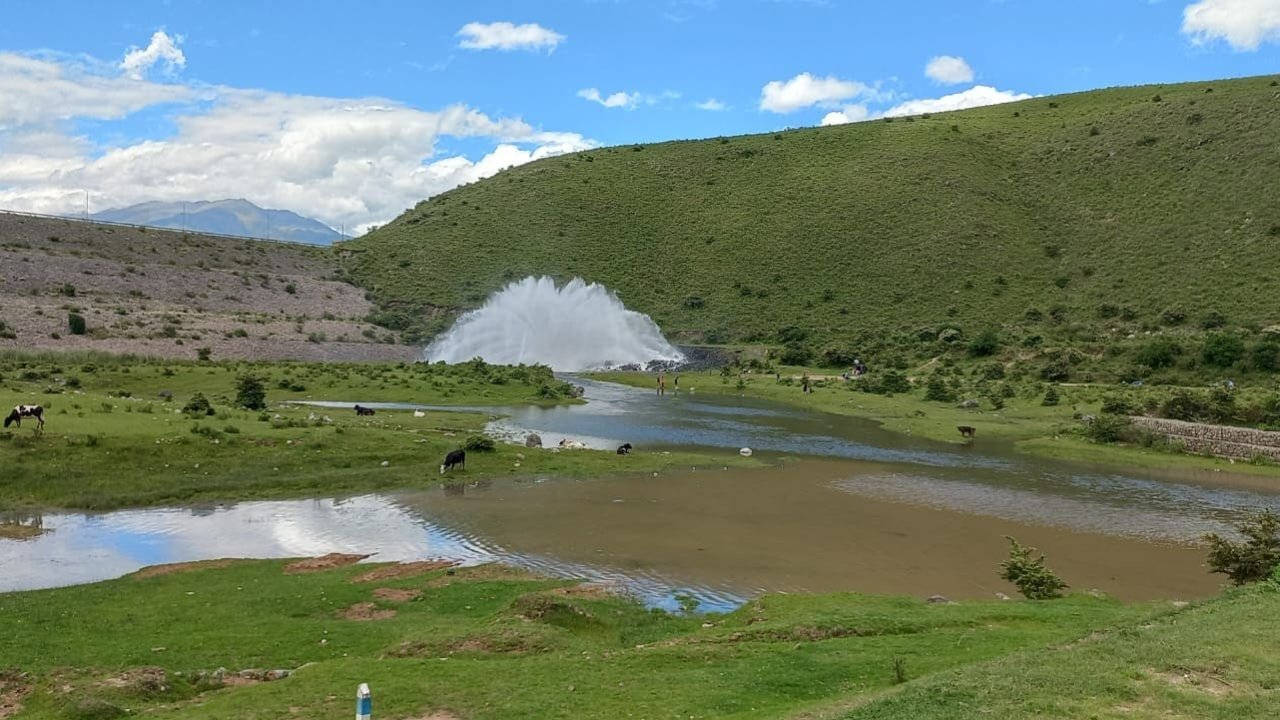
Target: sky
352, 112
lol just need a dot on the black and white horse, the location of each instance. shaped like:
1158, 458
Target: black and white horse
25, 411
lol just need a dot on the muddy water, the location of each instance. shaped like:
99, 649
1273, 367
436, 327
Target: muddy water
847, 506
801, 527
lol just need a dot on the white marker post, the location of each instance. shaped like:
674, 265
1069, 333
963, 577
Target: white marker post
364, 703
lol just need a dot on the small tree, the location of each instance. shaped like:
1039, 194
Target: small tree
198, 405
1222, 350
986, 344
203, 354
1029, 574
1051, 397
250, 393
1252, 559
75, 323
936, 390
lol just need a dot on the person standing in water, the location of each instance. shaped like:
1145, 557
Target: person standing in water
676, 384
662, 384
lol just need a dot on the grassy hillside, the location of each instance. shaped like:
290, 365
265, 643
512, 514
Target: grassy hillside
1079, 216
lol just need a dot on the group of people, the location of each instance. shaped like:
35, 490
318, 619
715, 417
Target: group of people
662, 383
858, 369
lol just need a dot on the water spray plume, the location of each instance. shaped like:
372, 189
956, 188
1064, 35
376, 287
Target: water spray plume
580, 326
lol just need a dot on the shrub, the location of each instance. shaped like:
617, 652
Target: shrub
76, 323
1117, 405
986, 344
1029, 574
478, 443
795, 354
894, 382
1174, 315
198, 405
67, 289
936, 390
291, 289
1263, 356
1051, 397
1107, 428
1222, 350
1159, 353
204, 354
993, 371
1213, 320
1254, 558
250, 393
792, 334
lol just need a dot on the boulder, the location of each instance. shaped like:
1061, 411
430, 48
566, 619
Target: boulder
533, 440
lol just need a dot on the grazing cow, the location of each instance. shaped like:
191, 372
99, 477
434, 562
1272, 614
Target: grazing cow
624, 449
455, 459
967, 430
363, 411
22, 411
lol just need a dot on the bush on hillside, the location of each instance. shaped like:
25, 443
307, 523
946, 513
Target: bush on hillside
250, 394
1107, 428
1265, 356
838, 355
792, 334
1051, 397
1173, 315
986, 344
1213, 320
76, 323
198, 405
1117, 405
937, 391
1029, 574
1222, 350
795, 354
1159, 353
1185, 405
1253, 558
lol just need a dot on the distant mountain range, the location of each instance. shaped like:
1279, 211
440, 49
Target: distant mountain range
226, 217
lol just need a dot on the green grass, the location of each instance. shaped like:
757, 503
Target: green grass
103, 450
862, 235
491, 644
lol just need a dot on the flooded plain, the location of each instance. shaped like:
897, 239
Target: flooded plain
844, 505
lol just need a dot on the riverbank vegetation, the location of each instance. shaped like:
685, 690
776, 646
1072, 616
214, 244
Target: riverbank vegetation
129, 432
206, 640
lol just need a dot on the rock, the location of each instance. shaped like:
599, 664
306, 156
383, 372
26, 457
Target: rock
419, 414
386, 463
745, 452
277, 674
1001, 596
937, 599
533, 440
968, 404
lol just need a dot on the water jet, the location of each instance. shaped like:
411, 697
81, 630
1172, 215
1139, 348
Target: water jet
578, 326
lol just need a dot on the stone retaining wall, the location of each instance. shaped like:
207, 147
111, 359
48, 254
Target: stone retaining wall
1219, 440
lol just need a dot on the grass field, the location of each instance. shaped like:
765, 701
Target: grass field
1063, 218
112, 440
493, 643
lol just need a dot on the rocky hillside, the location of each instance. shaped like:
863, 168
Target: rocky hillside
162, 293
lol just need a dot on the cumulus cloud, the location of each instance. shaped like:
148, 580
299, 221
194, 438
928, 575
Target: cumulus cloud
976, 96
352, 161
805, 90
619, 99
1243, 24
712, 105
850, 114
948, 70
508, 36
163, 50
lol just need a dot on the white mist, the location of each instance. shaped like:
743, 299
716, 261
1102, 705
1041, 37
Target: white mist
577, 327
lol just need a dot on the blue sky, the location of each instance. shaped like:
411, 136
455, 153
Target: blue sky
350, 112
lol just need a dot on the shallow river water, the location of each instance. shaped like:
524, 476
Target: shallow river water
844, 505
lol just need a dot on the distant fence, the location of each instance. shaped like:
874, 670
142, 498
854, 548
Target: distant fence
161, 228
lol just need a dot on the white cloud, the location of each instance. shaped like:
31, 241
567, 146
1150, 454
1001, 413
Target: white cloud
1244, 24
345, 161
976, 96
805, 90
627, 100
948, 70
508, 36
162, 49
712, 105
850, 114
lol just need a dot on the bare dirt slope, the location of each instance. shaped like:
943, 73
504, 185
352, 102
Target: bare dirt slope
164, 293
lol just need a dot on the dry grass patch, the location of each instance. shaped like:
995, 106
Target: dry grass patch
403, 570
322, 563
182, 567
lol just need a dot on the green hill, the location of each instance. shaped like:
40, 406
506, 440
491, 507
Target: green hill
1077, 217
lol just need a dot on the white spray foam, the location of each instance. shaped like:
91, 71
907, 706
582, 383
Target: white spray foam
580, 326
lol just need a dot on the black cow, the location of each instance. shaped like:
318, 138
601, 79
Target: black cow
624, 449
363, 411
455, 459
967, 430
22, 411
